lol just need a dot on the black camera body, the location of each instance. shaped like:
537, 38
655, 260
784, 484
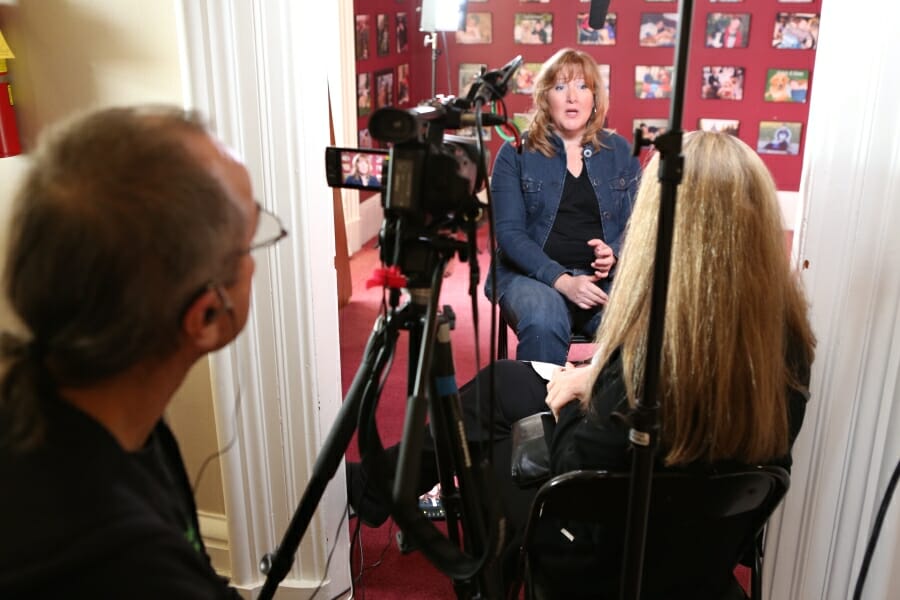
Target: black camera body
428, 179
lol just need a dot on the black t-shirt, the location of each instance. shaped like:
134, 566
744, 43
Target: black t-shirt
577, 221
82, 518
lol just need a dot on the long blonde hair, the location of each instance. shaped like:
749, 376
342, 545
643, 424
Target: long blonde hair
567, 64
736, 329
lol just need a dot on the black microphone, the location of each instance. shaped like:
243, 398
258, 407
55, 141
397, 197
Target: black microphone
487, 119
597, 17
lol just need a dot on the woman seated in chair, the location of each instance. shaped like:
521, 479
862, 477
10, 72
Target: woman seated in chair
737, 350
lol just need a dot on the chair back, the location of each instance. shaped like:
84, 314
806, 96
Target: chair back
700, 526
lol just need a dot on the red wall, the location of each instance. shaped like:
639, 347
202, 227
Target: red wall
756, 59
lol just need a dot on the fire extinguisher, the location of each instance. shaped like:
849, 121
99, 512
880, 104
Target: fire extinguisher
9, 132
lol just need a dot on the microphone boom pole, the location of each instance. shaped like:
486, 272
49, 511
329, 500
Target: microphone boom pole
645, 416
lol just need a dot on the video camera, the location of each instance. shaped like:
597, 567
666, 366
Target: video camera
429, 179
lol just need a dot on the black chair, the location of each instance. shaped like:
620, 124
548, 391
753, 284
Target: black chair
503, 338
700, 528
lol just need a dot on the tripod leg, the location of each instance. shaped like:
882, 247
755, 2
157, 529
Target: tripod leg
377, 354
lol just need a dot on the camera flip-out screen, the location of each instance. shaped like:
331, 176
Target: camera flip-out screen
356, 167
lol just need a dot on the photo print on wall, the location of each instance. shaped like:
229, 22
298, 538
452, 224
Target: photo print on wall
722, 83
383, 35
533, 28
384, 88
658, 29
727, 30
650, 128
401, 31
605, 36
363, 94
362, 37
467, 74
795, 31
523, 82
653, 81
478, 30
787, 85
778, 137
403, 84
731, 126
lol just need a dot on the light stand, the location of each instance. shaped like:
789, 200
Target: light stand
431, 40
645, 416
440, 15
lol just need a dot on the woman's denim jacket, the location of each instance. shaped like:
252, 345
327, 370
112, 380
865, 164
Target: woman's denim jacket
526, 190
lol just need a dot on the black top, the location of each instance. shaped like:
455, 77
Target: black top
577, 221
587, 562
598, 441
82, 518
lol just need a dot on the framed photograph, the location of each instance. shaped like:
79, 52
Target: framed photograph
777, 137
722, 83
401, 32
365, 138
787, 85
795, 31
382, 34
533, 28
604, 73
727, 30
478, 29
523, 82
362, 37
653, 81
467, 74
658, 29
363, 94
650, 128
472, 132
731, 126
384, 88
522, 121
403, 84
605, 36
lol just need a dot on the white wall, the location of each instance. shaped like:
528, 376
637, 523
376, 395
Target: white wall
850, 441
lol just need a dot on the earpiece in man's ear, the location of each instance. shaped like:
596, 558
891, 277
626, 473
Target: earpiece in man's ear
210, 315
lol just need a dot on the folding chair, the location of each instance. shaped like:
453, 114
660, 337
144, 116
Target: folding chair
503, 338
700, 528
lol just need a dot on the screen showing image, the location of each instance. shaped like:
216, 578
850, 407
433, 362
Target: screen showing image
362, 169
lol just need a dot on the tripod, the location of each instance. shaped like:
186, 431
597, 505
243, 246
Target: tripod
466, 553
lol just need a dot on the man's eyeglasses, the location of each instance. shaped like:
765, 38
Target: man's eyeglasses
269, 230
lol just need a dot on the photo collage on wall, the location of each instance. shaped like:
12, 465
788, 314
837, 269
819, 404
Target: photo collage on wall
750, 60
382, 48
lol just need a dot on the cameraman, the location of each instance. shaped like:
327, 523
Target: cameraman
129, 260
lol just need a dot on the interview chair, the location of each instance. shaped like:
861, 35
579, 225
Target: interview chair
503, 338
698, 525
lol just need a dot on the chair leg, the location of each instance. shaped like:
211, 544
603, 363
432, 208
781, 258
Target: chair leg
502, 334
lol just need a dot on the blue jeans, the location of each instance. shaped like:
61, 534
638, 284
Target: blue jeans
544, 319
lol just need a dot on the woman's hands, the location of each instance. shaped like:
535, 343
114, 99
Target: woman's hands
604, 259
568, 383
581, 290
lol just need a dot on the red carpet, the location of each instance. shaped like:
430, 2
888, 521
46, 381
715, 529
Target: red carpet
386, 574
